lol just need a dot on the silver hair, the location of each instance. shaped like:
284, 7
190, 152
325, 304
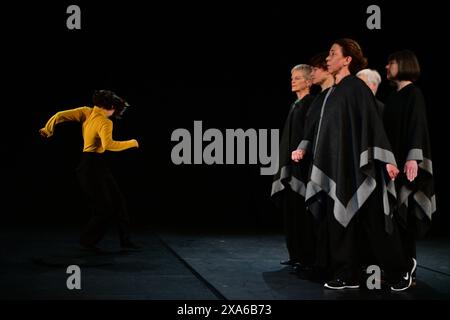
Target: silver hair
305, 68
372, 76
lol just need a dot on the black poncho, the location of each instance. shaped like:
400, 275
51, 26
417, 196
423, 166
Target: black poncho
350, 149
405, 123
290, 173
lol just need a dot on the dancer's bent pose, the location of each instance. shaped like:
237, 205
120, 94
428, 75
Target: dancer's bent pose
94, 175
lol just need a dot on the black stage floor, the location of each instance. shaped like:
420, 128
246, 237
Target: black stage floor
176, 265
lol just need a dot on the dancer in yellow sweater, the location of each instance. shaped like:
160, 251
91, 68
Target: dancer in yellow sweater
94, 175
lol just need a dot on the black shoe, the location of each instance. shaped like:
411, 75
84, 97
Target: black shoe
339, 284
288, 262
130, 245
406, 281
403, 284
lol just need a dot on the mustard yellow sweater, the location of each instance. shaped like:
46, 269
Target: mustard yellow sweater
96, 127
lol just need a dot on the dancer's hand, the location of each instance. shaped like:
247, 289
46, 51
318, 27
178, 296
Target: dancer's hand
137, 143
44, 133
411, 169
297, 155
392, 171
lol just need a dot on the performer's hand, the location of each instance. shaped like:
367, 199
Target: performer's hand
411, 169
44, 133
297, 155
137, 143
392, 171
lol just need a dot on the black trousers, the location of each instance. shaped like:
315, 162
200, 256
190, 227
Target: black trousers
408, 238
299, 228
411, 227
364, 242
104, 197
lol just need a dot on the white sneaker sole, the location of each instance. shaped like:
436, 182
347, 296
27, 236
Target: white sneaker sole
410, 277
340, 288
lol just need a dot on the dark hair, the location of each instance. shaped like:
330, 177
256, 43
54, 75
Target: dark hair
108, 100
408, 65
319, 60
352, 48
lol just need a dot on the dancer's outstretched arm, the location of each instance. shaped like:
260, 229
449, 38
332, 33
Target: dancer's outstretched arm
78, 114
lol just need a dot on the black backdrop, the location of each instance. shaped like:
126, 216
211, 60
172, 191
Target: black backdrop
225, 64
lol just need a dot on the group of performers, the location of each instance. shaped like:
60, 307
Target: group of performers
355, 181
